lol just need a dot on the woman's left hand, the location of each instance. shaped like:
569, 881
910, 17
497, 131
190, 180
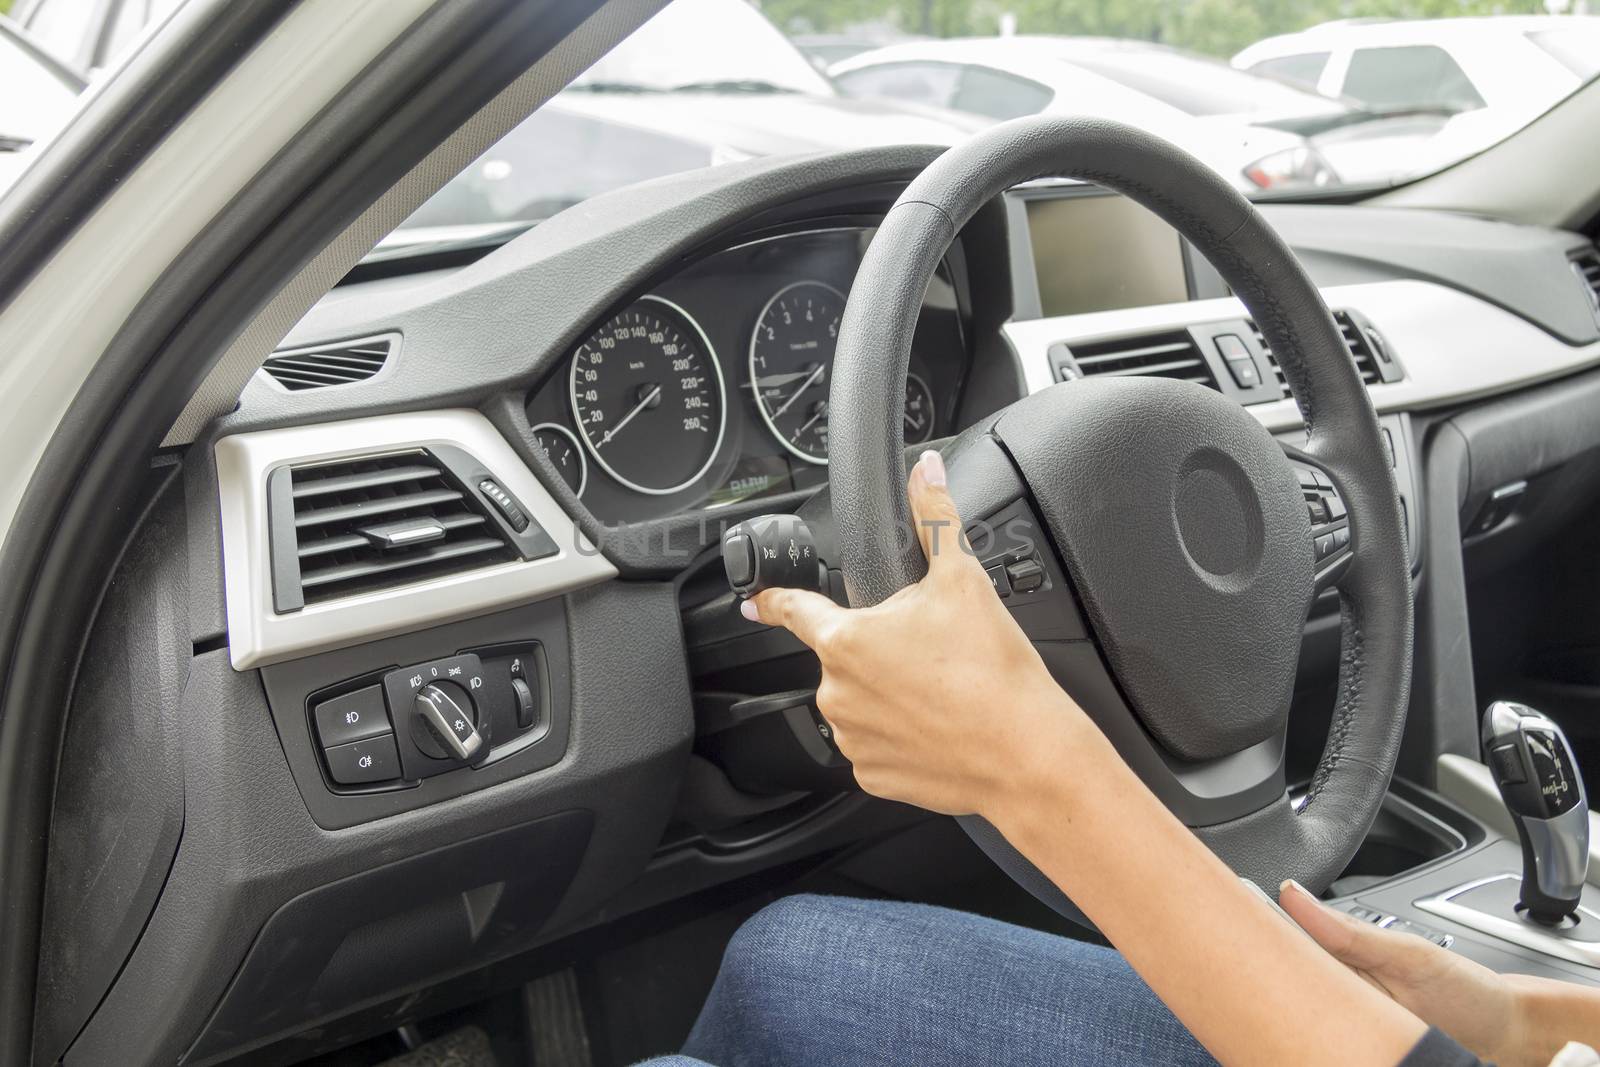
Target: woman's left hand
935, 695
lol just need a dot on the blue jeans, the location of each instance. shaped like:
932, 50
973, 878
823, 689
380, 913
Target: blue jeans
822, 981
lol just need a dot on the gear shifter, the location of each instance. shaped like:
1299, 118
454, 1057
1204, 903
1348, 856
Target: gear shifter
1538, 779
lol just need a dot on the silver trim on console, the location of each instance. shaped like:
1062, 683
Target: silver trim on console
257, 635
1518, 931
1454, 346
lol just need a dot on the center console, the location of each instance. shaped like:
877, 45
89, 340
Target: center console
1467, 902
1471, 898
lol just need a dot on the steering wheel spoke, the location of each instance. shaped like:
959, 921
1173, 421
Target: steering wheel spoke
1332, 531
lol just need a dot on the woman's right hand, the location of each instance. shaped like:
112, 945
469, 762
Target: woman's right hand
1471, 1003
935, 695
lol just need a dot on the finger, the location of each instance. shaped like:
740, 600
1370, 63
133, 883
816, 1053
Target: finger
1347, 939
805, 614
934, 513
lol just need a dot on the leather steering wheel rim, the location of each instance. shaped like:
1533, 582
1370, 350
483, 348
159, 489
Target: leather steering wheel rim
1314, 841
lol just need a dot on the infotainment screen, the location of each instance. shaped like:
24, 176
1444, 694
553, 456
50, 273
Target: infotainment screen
1099, 253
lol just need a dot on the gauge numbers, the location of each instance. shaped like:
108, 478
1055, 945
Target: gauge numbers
561, 448
648, 397
791, 365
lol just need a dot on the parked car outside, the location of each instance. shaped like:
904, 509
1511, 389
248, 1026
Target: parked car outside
1257, 132
1487, 77
826, 49
703, 82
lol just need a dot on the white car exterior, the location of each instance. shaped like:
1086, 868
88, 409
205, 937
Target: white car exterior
1199, 103
1496, 74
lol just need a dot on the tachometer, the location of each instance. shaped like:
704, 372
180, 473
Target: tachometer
648, 397
791, 364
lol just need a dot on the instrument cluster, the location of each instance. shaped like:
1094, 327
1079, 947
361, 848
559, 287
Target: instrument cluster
712, 387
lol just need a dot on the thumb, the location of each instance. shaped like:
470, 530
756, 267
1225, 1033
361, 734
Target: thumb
934, 513
803, 613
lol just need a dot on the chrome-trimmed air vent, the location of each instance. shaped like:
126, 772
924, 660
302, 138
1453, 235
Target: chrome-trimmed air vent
1586, 266
370, 523
1162, 354
321, 366
1367, 347
555, 558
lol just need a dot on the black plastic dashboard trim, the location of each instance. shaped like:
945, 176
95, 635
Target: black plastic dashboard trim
1518, 268
291, 686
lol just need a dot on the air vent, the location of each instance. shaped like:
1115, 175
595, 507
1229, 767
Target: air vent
373, 523
1160, 355
317, 368
1586, 265
1355, 339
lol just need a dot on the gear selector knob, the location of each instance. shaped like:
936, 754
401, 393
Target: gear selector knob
1536, 773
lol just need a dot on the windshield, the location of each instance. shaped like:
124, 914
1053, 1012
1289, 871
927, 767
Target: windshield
1197, 85
1576, 47
35, 96
1279, 98
676, 50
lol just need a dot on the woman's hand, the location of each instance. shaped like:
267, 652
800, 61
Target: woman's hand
935, 695
1466, 1000
939, 700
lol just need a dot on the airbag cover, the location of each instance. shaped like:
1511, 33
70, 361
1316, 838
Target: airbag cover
1185, 532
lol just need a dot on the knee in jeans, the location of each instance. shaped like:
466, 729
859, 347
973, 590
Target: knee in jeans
776, 947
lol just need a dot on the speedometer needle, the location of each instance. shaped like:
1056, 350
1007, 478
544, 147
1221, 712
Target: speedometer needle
787, 404
647, 400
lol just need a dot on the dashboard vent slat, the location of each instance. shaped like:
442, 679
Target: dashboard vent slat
366, 509
340, 542
362, 480
1354, 340
1586, 265
317, 368
336, 527
346, 572
1171, 354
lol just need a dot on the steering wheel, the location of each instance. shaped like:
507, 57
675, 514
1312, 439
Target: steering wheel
1176, 522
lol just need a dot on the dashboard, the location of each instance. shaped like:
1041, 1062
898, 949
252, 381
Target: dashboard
711, 387
655, 360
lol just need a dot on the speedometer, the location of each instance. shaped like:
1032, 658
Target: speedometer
648, 398
791, 363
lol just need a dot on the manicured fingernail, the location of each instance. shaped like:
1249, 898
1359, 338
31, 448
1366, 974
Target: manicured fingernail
748, 609
1291, 886
932, 468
